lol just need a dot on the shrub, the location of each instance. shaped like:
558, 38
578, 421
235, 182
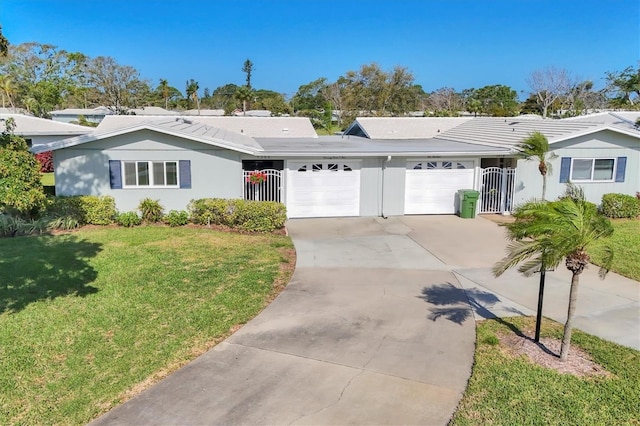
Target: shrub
254, 216
151, 210
98, 210
620, 206
46, 161
128, 219
15, 226
84, 209
177, 218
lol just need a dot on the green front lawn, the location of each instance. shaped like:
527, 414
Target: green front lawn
625, 242
48, 179
89, 318
508, 390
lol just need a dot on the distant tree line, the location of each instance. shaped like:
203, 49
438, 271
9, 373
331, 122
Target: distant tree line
41, 78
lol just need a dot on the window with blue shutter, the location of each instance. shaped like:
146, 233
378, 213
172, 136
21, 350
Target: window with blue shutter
185, 174
115, 174
565, 169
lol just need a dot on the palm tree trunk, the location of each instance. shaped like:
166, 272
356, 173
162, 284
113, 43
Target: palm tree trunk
568, 326
544, 187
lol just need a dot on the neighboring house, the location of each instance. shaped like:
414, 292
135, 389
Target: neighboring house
402, 127
205, 112
151, 110
600, 153
291, 127
177, 159
92, 115
40, 131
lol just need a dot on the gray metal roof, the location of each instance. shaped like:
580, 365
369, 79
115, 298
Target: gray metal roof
511, 130
363, 147
292, 127
27, 125
169, 125
405, 127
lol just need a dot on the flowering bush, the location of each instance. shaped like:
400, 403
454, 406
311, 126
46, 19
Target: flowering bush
256, 177
46, 161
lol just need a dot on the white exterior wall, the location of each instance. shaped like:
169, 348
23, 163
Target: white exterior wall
84, 170
605, 144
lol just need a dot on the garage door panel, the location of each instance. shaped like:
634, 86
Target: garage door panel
324, 192
435, 191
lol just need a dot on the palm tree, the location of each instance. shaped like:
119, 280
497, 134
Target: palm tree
192, 92
7, 89
243, 94
164, 89
536, 148
544, 233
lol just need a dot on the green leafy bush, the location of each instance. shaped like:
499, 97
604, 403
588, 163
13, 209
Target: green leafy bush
84, 209
254, 216
177, 218
151, 210
128, 219
620, 206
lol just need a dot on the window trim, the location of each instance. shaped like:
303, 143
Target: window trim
593, 165
150, 174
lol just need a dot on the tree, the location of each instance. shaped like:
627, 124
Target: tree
536, 148
192, 92
247, 68
445, 102
163, 87
549, 84
497, 100
7, 90
4, 44
625, 86
118, 87
243, 94
20, 187
545, 233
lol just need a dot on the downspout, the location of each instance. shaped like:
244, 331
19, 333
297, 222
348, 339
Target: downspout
384, 166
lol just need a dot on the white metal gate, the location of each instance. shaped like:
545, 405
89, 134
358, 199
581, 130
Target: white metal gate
263, 185
496, 193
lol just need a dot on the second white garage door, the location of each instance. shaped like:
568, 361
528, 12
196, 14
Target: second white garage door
431, 187
323, 188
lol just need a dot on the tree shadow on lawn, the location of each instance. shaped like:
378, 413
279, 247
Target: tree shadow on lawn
43, 268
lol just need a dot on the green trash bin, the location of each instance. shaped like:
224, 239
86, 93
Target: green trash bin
468, 202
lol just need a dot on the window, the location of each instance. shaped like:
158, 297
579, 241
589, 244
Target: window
150, 174
593, 169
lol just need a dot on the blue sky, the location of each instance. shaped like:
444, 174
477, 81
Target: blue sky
452, 43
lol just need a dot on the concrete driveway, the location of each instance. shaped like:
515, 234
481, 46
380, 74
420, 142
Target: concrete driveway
376, 327
363, 334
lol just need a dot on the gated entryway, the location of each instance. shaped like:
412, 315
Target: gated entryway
496, 193
263, 185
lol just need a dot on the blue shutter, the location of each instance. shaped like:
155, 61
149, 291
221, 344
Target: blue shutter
185, 174
115, 174
620, 169
565, 169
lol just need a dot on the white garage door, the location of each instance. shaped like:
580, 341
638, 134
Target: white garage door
323, 188
432, 186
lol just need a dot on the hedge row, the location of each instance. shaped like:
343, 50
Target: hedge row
253, 216
620, 206
256, 216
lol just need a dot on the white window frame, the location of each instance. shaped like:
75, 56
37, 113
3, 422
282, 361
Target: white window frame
593, 165
151, 174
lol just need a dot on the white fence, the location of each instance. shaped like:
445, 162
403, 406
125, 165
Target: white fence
263, 185
496, 193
